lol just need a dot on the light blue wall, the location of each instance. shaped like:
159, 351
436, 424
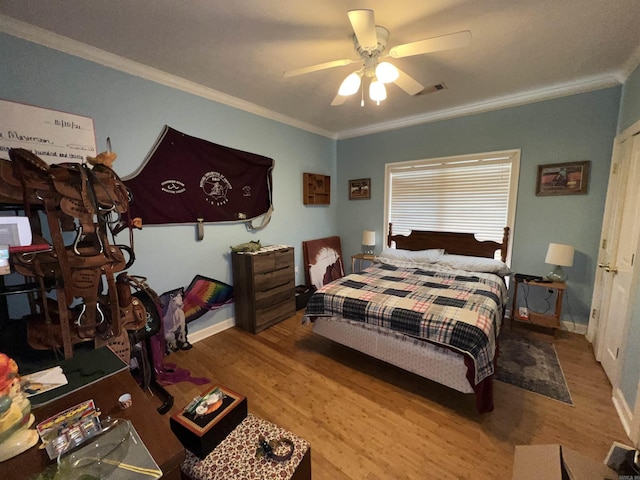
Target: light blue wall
132, 112
630, 103
629, 114
575, 128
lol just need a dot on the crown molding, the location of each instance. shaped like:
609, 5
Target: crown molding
630, 65
64, 44
556, 91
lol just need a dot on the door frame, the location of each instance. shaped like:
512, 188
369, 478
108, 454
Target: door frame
607, 248
612, 218
629, 414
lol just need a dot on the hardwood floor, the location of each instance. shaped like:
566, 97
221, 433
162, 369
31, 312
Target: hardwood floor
368, 420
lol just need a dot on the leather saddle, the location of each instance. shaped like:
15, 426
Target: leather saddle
91, 201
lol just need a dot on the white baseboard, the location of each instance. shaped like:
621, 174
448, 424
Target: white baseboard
212, 330
624, 412
565, 325
580, 328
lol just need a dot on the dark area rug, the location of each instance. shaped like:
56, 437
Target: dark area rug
531, 364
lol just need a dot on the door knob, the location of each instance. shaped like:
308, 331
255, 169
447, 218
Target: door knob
608, 268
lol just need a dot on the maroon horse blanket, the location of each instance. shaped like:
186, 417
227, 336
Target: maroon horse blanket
185, 179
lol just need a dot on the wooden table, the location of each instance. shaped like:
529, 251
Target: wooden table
535, 318
152, 427
356, 260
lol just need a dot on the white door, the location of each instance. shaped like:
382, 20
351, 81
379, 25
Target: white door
618, 269
608, 244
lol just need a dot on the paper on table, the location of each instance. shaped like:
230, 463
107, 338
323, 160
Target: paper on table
43, 381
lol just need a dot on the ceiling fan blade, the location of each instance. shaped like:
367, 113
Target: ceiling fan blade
320, 66
435, 44
364, 26
339, 100
408, 84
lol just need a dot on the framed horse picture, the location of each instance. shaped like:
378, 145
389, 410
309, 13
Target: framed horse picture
360, 189
563, 178
323, 261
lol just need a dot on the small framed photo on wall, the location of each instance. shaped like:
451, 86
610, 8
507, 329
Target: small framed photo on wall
563, 178
360, 189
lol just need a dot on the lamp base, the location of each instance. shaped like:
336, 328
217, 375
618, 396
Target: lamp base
557, 275
368, 250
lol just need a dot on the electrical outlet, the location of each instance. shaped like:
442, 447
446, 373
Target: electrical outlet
524, 312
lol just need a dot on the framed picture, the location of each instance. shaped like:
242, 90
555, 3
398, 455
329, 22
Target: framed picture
211, 407
563, 178
360, 189
323, 260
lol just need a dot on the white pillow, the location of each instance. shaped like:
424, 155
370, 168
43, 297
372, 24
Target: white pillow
417, 256
474, 264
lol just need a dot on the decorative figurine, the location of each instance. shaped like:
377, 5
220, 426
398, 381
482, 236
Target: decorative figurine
15, 412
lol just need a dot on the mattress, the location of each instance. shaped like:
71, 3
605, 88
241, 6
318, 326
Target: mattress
436, 363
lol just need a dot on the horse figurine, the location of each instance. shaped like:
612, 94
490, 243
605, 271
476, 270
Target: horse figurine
174, 324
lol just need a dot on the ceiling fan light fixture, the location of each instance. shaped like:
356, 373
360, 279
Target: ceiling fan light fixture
377, 91
350, 85
386, 72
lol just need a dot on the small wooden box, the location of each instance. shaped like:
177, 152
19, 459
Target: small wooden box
200, 434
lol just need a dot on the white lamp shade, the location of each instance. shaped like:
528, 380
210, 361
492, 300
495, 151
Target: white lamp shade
386, 73
350, 85
377, 92
559, 254
368, 237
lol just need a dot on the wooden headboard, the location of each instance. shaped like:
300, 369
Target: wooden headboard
452, 242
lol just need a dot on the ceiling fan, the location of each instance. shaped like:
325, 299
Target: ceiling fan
370, 41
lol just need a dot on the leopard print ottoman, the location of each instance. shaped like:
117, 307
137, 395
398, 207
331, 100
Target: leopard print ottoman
235, 457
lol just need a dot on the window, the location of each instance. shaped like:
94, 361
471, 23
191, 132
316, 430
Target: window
471, 193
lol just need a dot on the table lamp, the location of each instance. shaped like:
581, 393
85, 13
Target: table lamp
561, 256
368, 242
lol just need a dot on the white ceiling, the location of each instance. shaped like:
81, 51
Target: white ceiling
235, 51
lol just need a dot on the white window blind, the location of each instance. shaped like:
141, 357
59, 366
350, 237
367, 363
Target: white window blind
472, 193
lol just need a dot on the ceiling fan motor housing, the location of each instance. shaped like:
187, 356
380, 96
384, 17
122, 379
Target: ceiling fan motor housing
382, 35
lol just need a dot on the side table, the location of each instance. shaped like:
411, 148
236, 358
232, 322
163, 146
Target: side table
535, 318
357, 260
235, 456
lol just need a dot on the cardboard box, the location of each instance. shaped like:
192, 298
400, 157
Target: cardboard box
201, 433
554, 462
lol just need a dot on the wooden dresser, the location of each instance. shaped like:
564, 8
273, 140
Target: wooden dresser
264, 288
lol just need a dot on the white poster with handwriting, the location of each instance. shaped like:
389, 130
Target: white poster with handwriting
56, 137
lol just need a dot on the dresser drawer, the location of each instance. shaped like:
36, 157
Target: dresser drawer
275, 295
267, 281
264, 262
275, 312
284, 258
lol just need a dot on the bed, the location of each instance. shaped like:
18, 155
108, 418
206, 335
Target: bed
432, 305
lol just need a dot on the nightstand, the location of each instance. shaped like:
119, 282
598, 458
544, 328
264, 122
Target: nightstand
535, 318
357, 260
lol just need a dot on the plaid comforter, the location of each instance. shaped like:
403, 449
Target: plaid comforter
453, 308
